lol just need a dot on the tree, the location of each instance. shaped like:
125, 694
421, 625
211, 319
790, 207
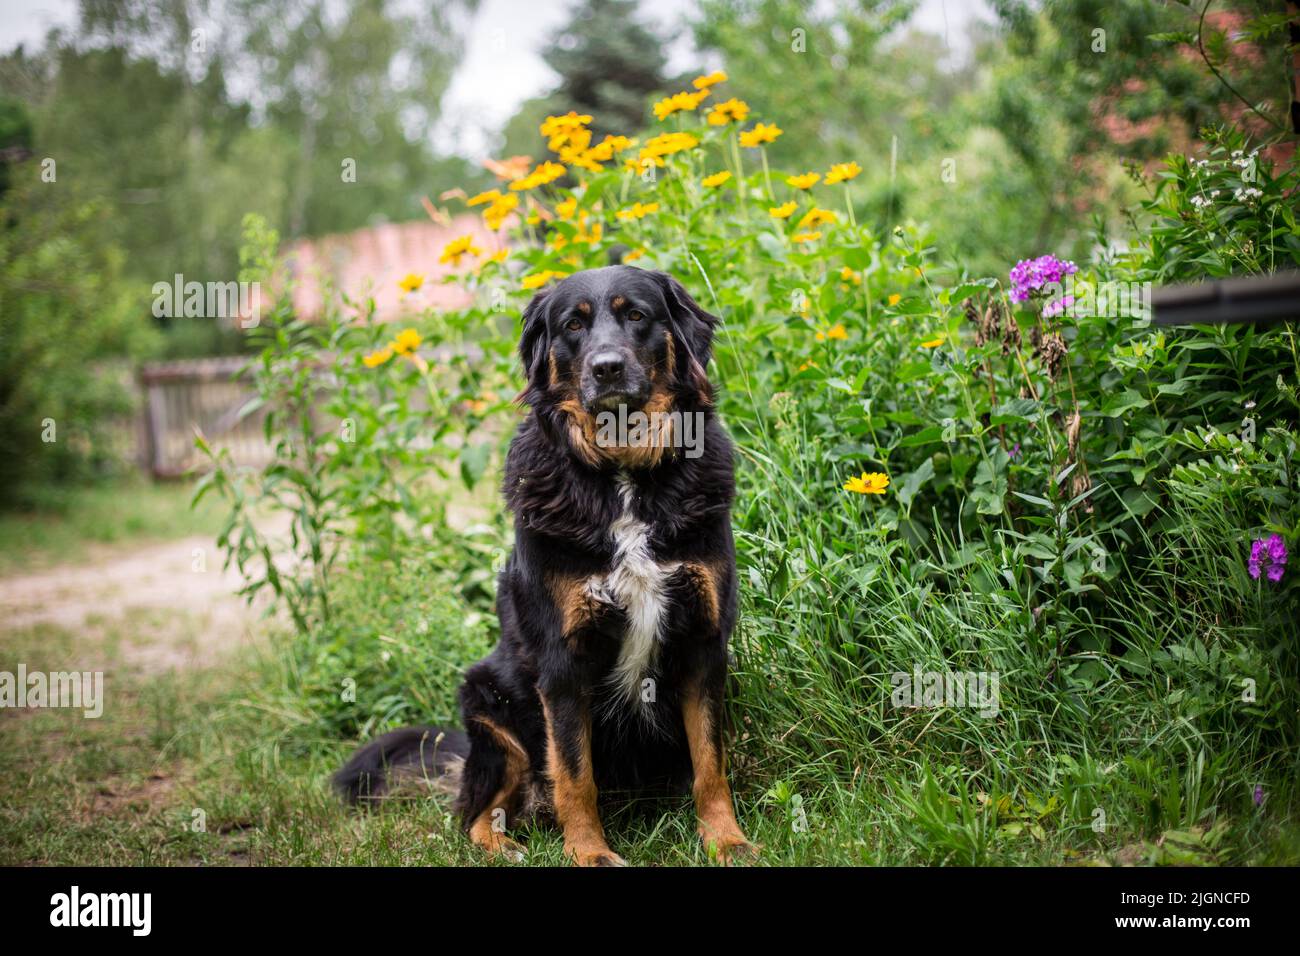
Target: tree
183, 115
63, 309
357, 86
15, 139
610, 64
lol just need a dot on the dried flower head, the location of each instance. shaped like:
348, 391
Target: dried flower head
1052, 350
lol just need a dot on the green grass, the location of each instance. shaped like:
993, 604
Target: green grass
241, 748
71, 524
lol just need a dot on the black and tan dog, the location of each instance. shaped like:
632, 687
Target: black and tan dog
618, 600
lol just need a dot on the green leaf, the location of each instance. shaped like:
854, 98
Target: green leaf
1125, 401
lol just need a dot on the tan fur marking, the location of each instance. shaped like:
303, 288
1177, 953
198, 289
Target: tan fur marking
671, 360
718, 826
705, 579
553, 367
584, 308
481, 831
582, 431
618, 302
574, 800
576, 606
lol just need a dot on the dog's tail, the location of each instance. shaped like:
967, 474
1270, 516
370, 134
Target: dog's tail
432, 756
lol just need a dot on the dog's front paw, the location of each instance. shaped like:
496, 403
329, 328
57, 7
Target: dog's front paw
508, 849
594, 856
497, 844
730, 850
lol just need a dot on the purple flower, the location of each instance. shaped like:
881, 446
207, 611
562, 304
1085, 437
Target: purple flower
1030, 275
1014, 451
1268, 556
1259, 795
1055, 308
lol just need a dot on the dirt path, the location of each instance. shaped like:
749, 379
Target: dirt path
165, 605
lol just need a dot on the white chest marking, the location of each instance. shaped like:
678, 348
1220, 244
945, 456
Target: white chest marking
636, 583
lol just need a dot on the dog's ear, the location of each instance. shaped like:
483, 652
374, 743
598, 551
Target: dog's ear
692, 330
534, 340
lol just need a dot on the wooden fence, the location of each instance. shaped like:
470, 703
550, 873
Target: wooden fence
204, 394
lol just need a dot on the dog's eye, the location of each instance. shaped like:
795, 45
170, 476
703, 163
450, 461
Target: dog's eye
573, 325
635, 316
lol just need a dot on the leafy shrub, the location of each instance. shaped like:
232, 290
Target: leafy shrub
1070, 497
63, 308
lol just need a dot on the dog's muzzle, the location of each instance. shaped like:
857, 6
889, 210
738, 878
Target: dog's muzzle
613, 377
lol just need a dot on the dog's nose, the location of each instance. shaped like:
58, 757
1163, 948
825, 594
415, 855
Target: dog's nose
608, 368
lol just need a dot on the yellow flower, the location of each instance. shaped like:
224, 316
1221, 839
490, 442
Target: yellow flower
638, 211
494, 216
634, 255
454, 250
590, 159
607, 147
709, 79
567, 207
894, 299
412, 282
933, 343
498, 257
760, 134
816, 217
558, 124
807, 365
492, 195
582, 158
666, 144
834, 332
871, 483
678, 103
407, 341
717, 179
729, 111
545, 173
848, 275
561, 131
806, 237
806, 181
842, 172
637, 165
378, 357
784, 211
539, 279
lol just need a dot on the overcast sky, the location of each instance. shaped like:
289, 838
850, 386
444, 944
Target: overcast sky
501, 67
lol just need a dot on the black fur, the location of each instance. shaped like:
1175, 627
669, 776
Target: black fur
427, 752
564, 505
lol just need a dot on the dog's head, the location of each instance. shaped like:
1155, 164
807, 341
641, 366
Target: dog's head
616, 336
610, 338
